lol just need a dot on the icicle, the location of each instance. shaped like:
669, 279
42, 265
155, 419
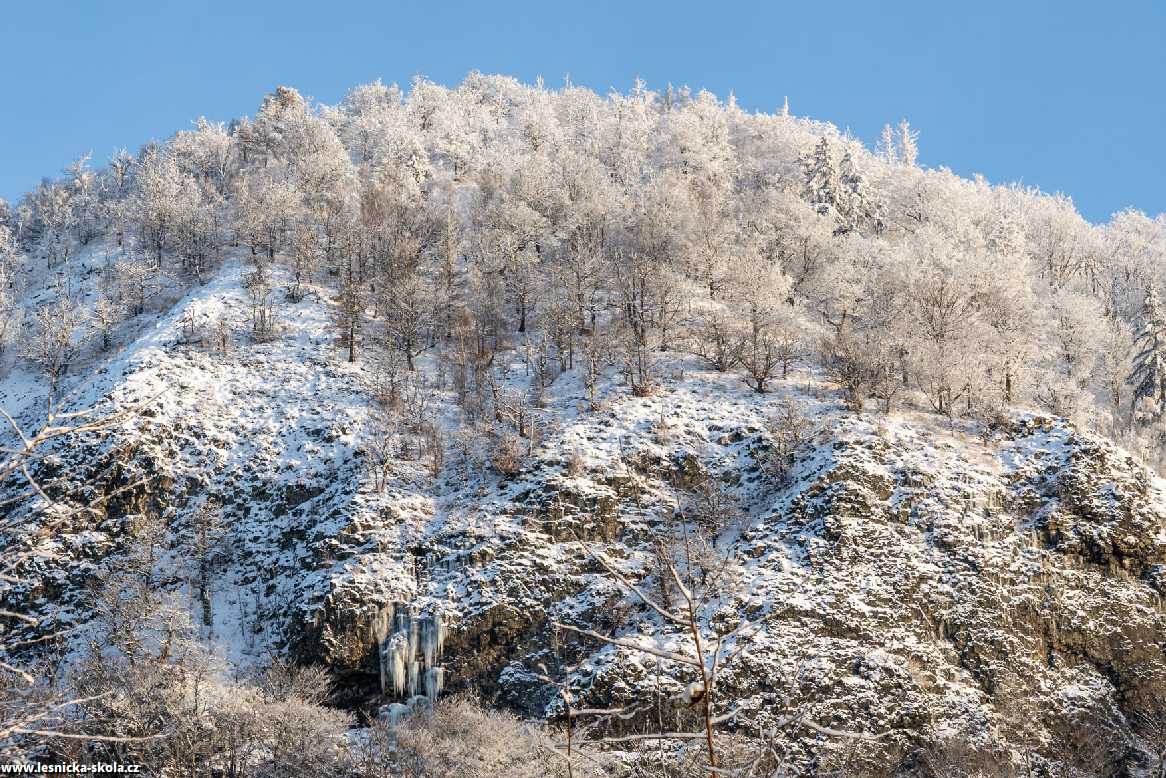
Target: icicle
427, 645
439, 632
414, 636
397, 664
382, 623
433, 639
419, 703
382, 665
434, 682
414, 676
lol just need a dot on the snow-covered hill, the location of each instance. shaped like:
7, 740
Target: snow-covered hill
919, 581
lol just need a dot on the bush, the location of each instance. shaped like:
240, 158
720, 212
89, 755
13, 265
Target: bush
508, 456
789, 430
148, 680
717, 340
845, 368
460, 738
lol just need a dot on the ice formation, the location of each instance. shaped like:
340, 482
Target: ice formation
410, 651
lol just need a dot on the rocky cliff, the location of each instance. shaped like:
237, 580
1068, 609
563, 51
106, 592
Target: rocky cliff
917, 582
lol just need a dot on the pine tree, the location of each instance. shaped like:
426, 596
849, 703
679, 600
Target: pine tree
1148, 376
857, 205
822, 187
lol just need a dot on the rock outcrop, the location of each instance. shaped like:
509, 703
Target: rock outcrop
917, 583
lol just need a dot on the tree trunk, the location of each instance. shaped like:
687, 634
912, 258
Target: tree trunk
708, 693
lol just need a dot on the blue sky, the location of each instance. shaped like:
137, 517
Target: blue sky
1068, 96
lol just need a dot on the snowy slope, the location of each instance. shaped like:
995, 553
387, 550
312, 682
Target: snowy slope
917, 576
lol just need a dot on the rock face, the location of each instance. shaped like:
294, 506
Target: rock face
919, 584
1000, 592
1095, 503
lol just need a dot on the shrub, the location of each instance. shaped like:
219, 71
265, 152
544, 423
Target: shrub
508, 456
789, 430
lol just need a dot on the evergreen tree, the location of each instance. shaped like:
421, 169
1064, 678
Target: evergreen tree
1148, 376
822, 187
857, 205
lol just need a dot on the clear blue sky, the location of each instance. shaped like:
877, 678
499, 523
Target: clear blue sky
1068, 96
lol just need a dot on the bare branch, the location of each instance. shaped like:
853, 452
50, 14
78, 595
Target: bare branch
653, 736
672, 617
672, 657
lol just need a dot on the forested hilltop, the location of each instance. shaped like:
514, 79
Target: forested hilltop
661, 221
711, 441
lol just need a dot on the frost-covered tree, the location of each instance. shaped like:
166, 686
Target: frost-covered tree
207, 154
769, 348
9, 278
512, 238
822, 187
1148, 375
54, 339
351, 304
197, 232
158, 198
1010, 312
408, 311
908, 144
56, 220
268, 210
136, 281
120, 173
945, 299
716, 337
107, 313
84, 199
886, 147
1073, 328
278, 133
1062, 245
770, 338
1112, 366
858, 206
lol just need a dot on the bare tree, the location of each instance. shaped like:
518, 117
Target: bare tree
259, 295
716, 339
845, 367
350, 307
790, 429
54, 341
706, 653
381, 447
206, 545
29, 708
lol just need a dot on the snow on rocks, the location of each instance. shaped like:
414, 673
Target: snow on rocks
911, 576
